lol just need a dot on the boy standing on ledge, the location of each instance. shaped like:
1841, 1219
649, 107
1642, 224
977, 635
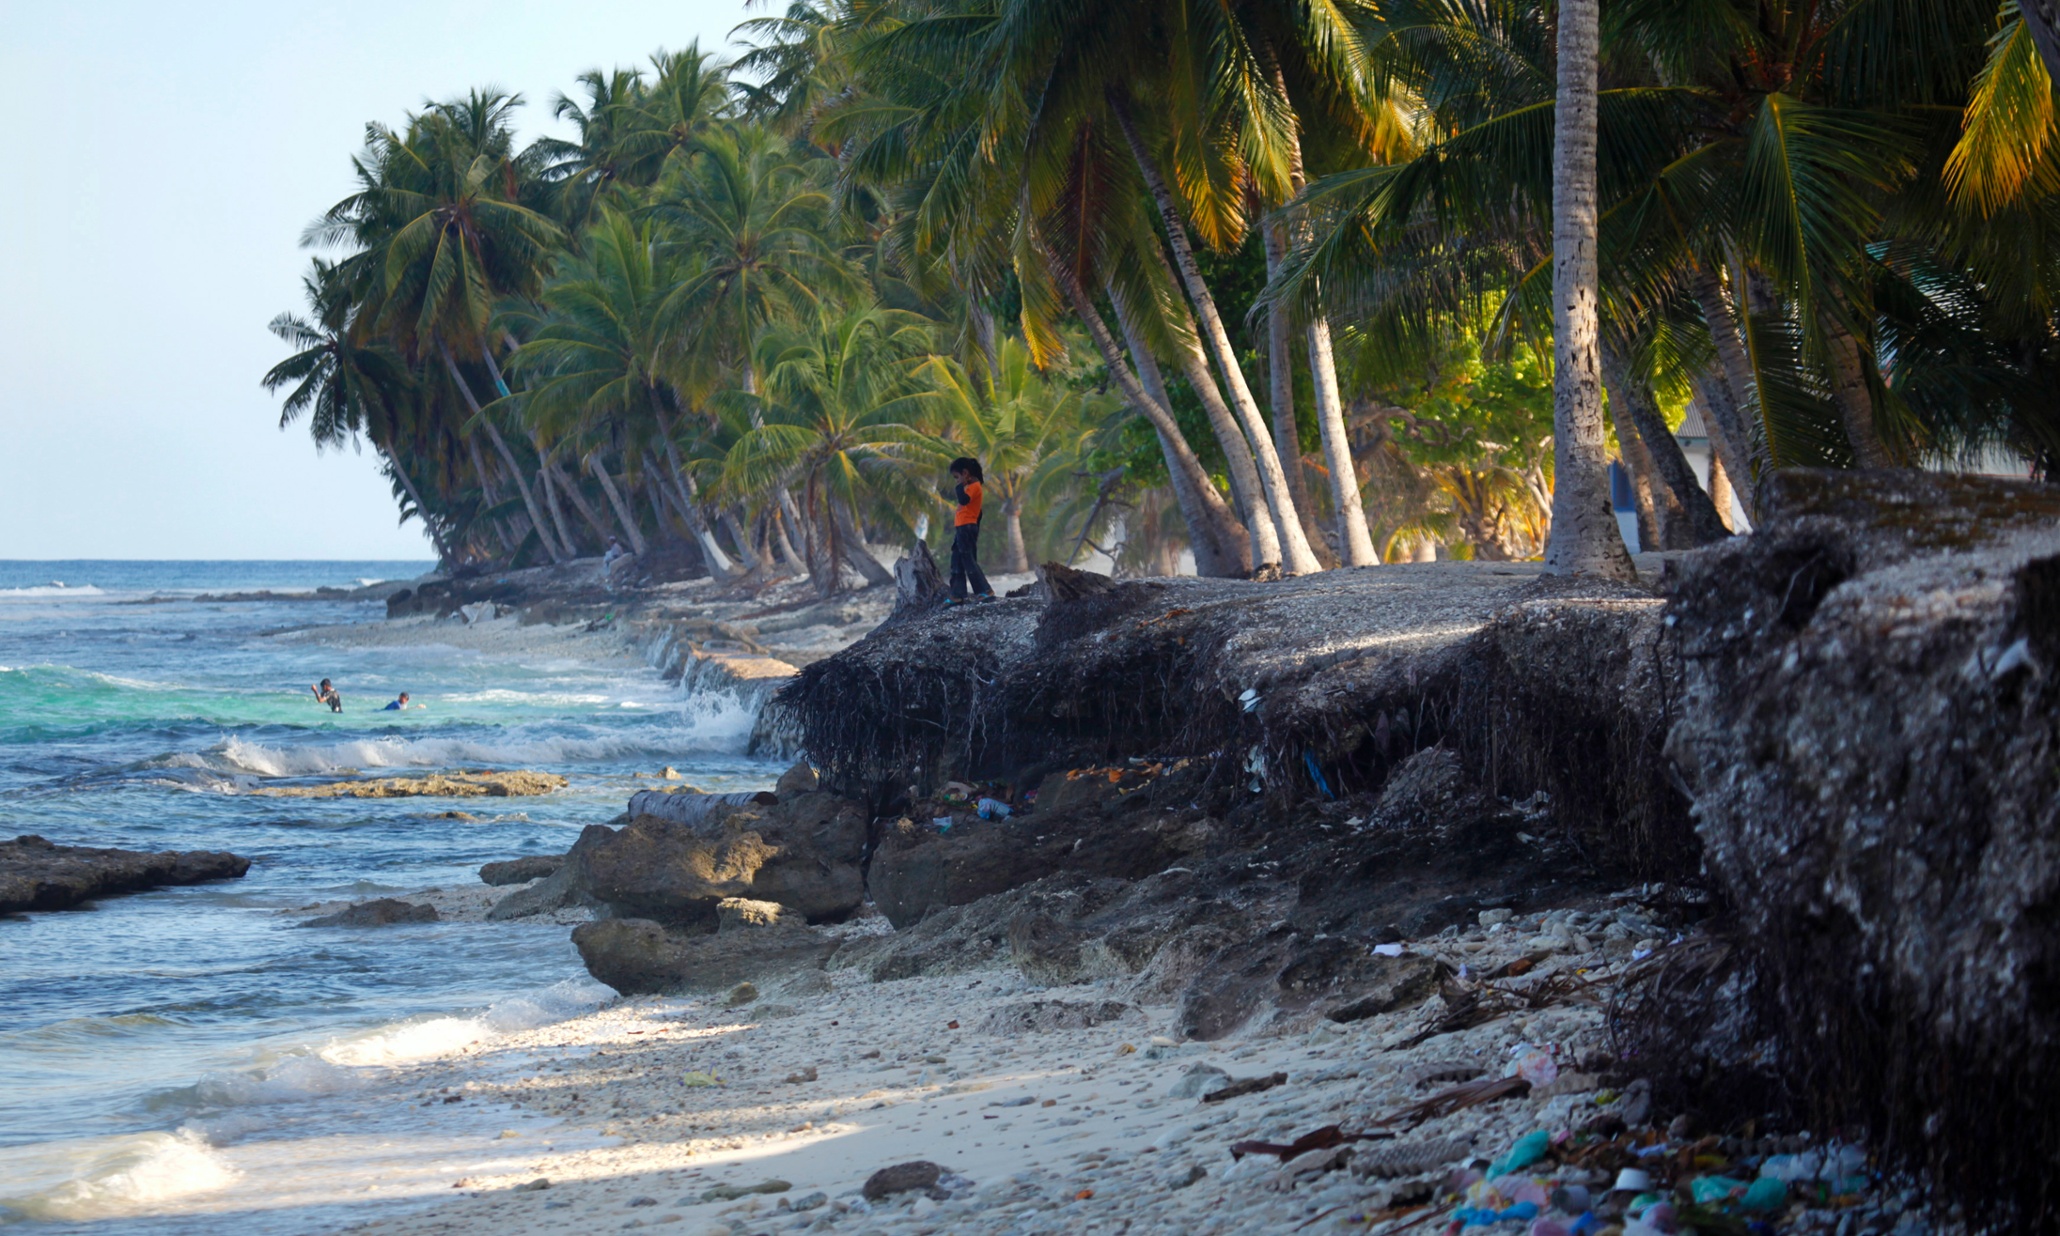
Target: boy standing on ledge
965, 533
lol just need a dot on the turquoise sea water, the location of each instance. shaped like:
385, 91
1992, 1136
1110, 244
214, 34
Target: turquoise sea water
164, 1053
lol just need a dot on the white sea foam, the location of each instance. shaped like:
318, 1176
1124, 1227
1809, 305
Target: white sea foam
291, 1079
428, 1038
53, 589
103, 1177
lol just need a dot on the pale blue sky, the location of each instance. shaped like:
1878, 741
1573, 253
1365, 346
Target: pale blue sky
161, 162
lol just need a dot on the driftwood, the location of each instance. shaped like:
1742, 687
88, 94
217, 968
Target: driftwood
919, 587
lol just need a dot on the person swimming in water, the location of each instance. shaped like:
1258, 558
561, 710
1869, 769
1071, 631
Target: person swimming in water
402, 704
326, 694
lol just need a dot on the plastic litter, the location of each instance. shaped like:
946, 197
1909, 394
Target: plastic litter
1766, 1193
1634, 1180
1534, 1063
1709, 1189
995, 809
1529, 1148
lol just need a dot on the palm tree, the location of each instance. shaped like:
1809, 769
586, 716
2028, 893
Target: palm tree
835, 417
1011, 423
1585, 538
598, 362
756, 217
441, 237
346, 388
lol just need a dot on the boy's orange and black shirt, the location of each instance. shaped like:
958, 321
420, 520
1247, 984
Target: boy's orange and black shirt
968, 512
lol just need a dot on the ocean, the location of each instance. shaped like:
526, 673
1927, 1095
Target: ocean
180, 1058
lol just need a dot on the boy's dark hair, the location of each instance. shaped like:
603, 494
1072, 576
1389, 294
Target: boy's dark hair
970, 466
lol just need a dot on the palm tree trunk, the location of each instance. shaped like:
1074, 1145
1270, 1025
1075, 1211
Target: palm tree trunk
792, 513
1247, 491
1720, 488
1212, 530
784, 540
1727, 402
740, 539
1713, 395
855, 551
444, 557
1855, 400
1280, 374
564, 484
1626, 392
1015, 559
718, 562
1585, 538
493, 435
624, 513
1355, 539
2042, 18
551, 503
1296, 556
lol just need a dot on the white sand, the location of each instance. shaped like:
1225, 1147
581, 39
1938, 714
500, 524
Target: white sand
1031, 1120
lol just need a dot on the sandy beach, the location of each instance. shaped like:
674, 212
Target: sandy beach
821, 1083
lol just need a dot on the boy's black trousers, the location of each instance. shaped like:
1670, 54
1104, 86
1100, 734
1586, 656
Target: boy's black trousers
965, 562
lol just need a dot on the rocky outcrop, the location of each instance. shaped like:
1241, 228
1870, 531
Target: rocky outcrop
485, 784
637, 956
521, 870
1871, 728
36, 874
382, 912
802, 852
563, 889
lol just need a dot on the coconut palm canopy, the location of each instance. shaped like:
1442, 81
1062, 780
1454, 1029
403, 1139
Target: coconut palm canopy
1281, 285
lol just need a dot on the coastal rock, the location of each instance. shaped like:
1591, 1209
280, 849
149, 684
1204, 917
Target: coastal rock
429, 785
916, 871
739, 913
802, 853
1869, 728
379, 913
562, 889
36, 874
901, 1178
796, 781
1044, 1016
521, 870
637, 956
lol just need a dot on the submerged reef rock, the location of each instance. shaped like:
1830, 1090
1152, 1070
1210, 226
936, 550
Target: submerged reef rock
429, 785
40, 875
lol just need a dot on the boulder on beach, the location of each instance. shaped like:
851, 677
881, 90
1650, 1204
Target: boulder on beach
802, 853
382, 912
36, 874
429, 785
637, 956
521, 870
560, 890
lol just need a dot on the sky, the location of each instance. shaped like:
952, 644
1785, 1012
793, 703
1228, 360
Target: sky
162, 161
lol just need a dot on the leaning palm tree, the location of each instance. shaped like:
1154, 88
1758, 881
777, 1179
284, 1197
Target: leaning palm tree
346, 387
441, 236
598, 364
835, 420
